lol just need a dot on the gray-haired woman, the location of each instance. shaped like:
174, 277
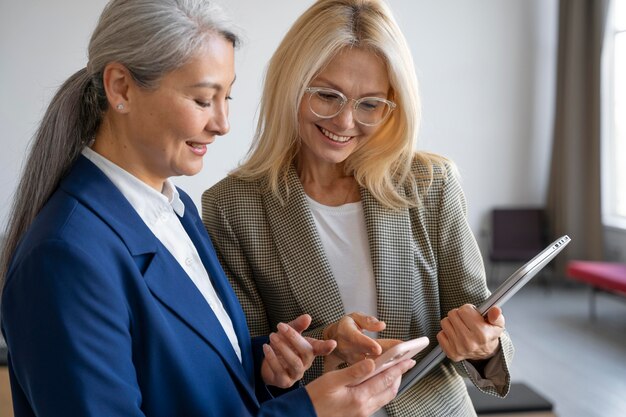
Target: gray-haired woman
114, 303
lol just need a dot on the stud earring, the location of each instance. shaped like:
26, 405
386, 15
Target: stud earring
120, 106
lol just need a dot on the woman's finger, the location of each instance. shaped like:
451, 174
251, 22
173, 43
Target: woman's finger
291, 362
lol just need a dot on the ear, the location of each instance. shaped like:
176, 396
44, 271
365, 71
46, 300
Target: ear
117, 81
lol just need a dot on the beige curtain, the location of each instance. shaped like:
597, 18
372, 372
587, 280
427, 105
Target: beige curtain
573, 205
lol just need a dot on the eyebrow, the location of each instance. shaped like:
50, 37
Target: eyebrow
336, 87
210, 84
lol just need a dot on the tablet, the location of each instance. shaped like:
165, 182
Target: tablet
505, 291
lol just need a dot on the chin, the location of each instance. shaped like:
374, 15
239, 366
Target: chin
189, 171
338, 159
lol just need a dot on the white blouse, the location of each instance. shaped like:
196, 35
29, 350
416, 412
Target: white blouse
161, 212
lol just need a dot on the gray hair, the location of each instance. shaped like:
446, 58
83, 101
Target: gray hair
150, 38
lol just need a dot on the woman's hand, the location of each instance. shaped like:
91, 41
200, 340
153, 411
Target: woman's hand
352, 344
465, 334
289, 354
350, 392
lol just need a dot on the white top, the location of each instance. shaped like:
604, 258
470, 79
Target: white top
344, 237
160, 212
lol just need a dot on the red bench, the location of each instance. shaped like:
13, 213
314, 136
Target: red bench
607, 277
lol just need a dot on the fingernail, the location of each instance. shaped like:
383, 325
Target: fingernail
282, 327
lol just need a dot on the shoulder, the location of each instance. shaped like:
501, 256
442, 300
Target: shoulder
63, 223
433, 166
432, 173
232, 191
66, 218
57, 245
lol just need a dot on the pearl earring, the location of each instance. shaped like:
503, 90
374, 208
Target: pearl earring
120, 106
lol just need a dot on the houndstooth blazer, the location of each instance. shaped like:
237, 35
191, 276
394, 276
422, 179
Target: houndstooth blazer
425, 260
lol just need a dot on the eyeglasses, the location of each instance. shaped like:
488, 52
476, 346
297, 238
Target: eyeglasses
369, 111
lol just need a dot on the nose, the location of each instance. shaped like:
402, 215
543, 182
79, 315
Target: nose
345, 118
218, 123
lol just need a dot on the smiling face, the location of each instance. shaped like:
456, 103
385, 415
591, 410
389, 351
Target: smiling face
166, 130
356, 73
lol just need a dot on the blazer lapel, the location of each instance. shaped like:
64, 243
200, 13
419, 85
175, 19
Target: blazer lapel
308, 272
222, 287
167, 281
93, 189
391, 247
170, 284
302, 255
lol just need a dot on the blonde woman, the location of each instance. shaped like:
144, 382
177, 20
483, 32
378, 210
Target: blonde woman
114, 303
334, 212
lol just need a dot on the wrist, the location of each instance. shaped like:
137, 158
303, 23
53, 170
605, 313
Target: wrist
331, 362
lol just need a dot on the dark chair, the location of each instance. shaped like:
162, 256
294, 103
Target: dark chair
517, 235
522, 400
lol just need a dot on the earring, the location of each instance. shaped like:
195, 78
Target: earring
120, 106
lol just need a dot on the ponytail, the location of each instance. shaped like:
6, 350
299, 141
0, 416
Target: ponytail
68, 125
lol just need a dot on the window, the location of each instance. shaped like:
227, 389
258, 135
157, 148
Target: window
614, 132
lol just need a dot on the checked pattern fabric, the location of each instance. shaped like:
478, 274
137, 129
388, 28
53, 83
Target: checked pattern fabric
425, 260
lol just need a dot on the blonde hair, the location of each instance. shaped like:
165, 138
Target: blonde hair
328, 26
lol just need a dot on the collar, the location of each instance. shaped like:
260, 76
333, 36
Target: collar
148, 202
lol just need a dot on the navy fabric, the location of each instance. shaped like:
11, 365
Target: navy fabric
100, 319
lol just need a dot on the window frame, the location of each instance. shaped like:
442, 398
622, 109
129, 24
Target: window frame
610, 215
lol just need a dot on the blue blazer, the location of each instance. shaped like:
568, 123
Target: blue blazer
101, 320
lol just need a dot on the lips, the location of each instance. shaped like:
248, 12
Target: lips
197, 148
335, 138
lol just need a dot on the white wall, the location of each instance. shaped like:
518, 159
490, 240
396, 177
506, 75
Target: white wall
486, 71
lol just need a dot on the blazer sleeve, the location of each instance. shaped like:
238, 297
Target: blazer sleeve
462, 280
263, 391
67, 324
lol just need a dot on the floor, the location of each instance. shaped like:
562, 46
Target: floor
578, 364
6, 405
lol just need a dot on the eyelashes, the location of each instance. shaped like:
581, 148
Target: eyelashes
206, 104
